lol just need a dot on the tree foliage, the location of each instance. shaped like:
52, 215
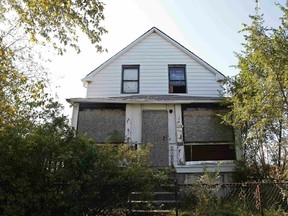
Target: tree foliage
23, 26
52, 171
57, 21
46, 168
22, 78
259, 96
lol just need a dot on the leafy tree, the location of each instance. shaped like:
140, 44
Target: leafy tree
46, 169
52, 171
57, 21
259, 103
25, 24
19, 93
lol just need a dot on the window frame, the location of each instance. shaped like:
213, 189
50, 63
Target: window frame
231, 155
124, 67
230, 143
169, 78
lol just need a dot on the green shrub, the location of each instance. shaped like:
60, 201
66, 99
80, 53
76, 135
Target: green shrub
52, 171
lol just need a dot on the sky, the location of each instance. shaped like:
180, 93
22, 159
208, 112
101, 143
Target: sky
208, 28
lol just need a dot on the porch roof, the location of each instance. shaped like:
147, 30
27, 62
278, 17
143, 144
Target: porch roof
149, 99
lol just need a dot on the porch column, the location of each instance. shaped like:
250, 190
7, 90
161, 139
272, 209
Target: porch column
179, 134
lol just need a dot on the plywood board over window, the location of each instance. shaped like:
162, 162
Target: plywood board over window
203, 125
206, 137
104, 123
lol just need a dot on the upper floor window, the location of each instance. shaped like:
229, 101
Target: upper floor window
130, 79
177, 79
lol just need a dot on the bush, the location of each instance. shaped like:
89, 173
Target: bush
206, 197
49, 170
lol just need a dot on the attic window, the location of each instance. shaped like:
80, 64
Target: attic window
130, 79
177, 79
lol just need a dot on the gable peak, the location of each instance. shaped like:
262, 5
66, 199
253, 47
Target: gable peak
219, 75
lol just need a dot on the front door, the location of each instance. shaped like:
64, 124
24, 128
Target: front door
155, 132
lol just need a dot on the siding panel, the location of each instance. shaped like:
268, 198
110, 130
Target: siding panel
154, 54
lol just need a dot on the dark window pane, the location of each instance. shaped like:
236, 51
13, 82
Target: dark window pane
177, 89
209, 152
177, 79
178, 83
177, 74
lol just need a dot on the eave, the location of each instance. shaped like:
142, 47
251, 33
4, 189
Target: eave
149, 99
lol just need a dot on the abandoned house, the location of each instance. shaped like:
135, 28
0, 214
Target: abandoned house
156, 91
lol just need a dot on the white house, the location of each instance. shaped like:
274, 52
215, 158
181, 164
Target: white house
156, 91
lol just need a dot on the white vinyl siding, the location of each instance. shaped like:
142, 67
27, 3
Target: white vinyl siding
154, 54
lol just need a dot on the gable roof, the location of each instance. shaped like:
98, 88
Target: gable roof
219, 75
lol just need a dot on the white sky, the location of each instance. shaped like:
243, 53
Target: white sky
209, 28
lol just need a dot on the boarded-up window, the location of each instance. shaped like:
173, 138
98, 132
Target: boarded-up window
206, 138
104, 123
202, 125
